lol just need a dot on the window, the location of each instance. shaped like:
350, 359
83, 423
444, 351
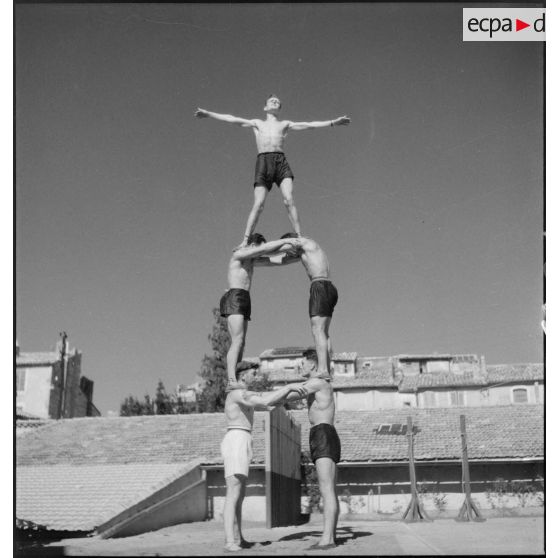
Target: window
20, 379
429, 399
457, 398
519, 395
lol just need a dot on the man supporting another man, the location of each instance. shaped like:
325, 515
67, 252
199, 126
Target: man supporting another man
323, 294
236, 449
325, 446
235, 304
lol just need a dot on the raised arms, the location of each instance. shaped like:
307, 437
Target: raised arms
262, 249
202, 113
341, 121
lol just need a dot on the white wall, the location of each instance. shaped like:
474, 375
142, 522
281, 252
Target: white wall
36, 397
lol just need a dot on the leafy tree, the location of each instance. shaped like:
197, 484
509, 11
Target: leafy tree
163, 403
130, 407
148, 404
213, 370
258, 381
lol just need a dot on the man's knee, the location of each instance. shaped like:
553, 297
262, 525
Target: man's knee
237, 338
234, 483
318, 328
288, 201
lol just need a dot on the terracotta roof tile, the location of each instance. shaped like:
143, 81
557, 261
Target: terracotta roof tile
440, 379
67, 497
366, 378
282, 352
514, 431
285, 375
514, 372
121, 440
344, 356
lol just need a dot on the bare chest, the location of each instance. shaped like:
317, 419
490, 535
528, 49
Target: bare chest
271, 129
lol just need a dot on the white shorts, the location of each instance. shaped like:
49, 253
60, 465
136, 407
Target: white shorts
236, 449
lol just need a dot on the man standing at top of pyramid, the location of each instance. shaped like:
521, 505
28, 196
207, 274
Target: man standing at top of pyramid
271, 164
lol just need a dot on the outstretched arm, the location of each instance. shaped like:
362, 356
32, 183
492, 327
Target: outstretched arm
265, 399
341, 121
263, 249
202, 113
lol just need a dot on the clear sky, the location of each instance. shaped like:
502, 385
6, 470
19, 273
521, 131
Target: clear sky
429, 205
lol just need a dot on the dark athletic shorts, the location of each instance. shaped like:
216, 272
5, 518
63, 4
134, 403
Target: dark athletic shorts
324, 442
323, 298
271, 167
236, 301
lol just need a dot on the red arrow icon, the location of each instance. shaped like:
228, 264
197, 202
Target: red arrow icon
519, 25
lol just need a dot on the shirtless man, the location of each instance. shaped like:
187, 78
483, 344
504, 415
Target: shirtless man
236, 449
323, 294
325, 446
235, 304
271, 164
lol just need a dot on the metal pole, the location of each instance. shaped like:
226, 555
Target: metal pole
64, 363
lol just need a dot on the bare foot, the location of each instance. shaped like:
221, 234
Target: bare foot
232, 547
234, 384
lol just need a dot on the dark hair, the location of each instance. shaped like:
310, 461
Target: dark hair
256, 238
273, 96
289, 235
245, 366
310, 354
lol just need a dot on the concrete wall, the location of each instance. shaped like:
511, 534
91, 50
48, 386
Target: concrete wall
370, 399
280, 363
470, 397
254, 508
385, 489
354, 400
35, 398
503, 395
182, 501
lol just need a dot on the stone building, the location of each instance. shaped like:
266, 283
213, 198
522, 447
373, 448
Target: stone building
426, 380
50, 384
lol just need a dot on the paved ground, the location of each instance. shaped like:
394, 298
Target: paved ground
507, 536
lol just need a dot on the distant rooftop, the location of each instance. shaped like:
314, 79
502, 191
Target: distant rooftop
282, 352
514, 372
28, 359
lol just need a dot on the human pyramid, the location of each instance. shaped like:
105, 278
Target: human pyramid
235, 306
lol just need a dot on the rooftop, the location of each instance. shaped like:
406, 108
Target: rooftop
514, 431
68, 497
514, 372
416, 382
282, 352
28, 359
383, 377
